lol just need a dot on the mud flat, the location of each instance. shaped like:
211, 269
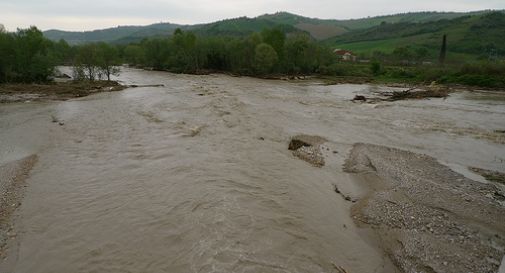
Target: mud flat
427, 217
10, 93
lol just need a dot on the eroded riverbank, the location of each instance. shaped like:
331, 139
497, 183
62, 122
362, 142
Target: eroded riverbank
196, 175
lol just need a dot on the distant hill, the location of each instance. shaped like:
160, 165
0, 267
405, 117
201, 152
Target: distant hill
239, 27
120, 33
476, 34
320, 29
325, 28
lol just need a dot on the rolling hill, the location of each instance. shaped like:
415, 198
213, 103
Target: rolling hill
319, 29
325, 28
112, 34
477, 34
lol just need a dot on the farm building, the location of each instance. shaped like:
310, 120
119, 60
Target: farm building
345, 55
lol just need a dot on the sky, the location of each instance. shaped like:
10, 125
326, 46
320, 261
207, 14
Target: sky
80, 15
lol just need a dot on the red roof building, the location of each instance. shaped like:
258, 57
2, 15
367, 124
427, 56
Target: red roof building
345, 55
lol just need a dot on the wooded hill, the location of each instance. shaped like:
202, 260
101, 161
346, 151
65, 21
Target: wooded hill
319, 29
481, 35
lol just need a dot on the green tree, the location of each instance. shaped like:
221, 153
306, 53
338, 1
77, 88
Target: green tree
134, 54
184, 57
275, 37
32, 62
443, 50
265, 58
86, 62
242, 54
108, 60
156, 52
376, 68
301, 55
421, 53
7, 57
61, 52
214, 53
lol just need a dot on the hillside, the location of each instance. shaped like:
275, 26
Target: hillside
410, 17
120, 33
320, 29
481, 34
325, 28
238, 27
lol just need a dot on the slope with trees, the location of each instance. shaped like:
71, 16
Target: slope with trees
468, 37
319, 29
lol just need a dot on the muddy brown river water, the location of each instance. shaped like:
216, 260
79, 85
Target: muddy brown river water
196, 176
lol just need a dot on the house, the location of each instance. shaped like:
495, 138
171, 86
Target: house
345, 55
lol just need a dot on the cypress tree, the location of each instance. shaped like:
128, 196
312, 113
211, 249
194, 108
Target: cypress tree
443, 50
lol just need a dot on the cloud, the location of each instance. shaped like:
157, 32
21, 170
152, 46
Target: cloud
92, 14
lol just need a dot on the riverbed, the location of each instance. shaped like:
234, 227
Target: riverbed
196, 175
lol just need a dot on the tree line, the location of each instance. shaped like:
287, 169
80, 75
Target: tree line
266, 52
27, 56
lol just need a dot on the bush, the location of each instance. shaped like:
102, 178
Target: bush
401, 73
376, 68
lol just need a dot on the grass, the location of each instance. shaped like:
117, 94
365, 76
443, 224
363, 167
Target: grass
485, 75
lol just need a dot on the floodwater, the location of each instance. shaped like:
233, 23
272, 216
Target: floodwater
196, 176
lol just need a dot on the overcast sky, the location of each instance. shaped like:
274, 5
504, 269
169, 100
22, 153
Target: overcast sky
95, 14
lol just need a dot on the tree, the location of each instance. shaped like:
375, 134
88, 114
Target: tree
241, 53
24, 56
301, 55
265, 58
134, 54
96, 61
403, 53
31, 62
156, 52
6, 57
214, 53
275, 37
108, 60
86, 63
421, 53
376, 68
185, 57
61, 52
443, 50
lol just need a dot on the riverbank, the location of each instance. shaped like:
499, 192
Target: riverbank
20, 92
13, 177
429, 87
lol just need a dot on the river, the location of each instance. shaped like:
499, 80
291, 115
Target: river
195, 176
